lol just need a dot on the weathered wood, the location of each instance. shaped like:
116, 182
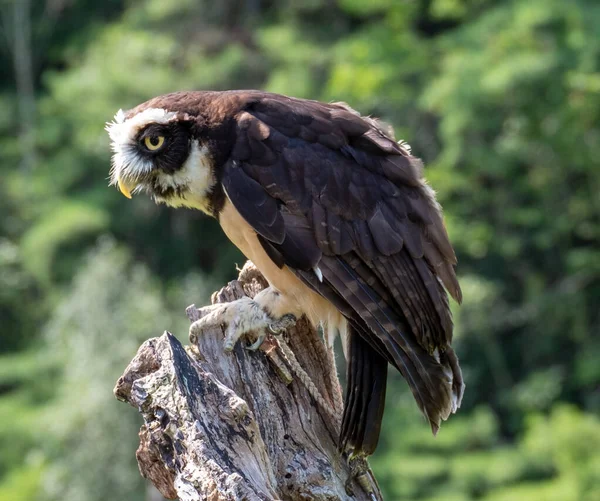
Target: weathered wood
240, 425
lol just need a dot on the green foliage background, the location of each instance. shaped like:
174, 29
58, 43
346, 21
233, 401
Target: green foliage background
500, 98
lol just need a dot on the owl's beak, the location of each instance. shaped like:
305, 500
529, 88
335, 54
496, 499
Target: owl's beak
124, 188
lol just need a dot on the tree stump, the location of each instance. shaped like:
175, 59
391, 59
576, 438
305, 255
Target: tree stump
241, 425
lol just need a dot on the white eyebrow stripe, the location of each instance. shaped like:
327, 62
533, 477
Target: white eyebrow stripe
123, 131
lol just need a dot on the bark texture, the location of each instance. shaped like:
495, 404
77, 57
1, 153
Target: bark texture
241, 425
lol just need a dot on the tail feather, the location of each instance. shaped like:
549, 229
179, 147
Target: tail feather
365, 396
379, 334
385, 330
449, 361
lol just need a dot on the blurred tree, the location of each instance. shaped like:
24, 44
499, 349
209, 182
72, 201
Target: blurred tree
19, 41
113, 306
518, 160
500, 98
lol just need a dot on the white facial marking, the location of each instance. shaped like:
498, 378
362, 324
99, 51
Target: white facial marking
196, 176
121, 130
126, 162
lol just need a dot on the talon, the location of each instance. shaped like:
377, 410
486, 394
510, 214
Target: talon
274, 330
241, 316
258, 343
282, 324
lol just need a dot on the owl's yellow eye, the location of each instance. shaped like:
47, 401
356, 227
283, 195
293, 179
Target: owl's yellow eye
153, 143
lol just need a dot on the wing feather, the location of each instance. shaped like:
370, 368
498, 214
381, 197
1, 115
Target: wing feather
428, 382
254, 203
325, 187
360, 190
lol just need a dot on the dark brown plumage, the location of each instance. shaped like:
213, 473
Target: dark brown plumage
329, 192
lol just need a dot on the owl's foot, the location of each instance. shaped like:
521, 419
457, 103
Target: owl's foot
242, 317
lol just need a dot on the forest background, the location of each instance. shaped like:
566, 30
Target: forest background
500, 98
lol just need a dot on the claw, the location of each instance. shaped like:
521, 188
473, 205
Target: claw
259, 341
241, 316
273, 329
228, 345
282, 324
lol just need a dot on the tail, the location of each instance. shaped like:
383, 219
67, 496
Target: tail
366, 380
366, 376
378, 334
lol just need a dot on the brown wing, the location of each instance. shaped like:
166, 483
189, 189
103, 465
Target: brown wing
326, 188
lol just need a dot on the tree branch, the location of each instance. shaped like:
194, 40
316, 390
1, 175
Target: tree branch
244, 425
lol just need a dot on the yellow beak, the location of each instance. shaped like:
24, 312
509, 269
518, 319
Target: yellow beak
123, 188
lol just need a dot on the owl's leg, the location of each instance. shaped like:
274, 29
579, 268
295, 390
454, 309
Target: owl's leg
262, 315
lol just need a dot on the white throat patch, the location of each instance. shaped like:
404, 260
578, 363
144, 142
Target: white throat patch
196, 176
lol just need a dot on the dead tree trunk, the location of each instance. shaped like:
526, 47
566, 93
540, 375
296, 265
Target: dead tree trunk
243, 425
